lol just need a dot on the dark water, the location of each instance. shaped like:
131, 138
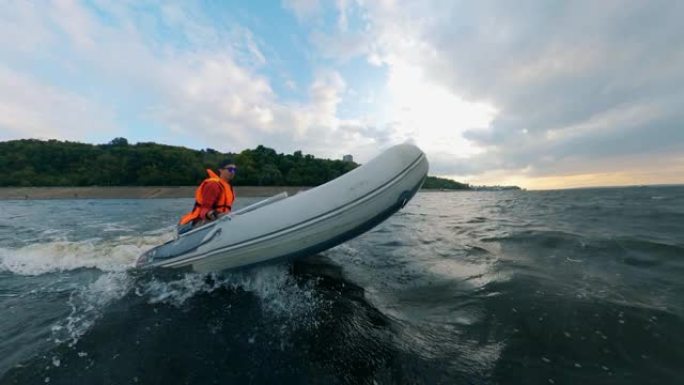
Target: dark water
559, 287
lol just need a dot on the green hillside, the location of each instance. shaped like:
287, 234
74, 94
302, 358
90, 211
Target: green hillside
32, 162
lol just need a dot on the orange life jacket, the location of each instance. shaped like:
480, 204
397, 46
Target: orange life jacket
223, 205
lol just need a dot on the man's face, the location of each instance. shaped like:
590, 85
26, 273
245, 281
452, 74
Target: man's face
228, 172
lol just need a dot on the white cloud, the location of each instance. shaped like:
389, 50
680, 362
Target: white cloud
489, 89
580, 83
211, 93
303, 9
413, 106
342, 46
29, 107
430, 114
23, 30
343, 9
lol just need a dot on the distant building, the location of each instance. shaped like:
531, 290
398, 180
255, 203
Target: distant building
348, 158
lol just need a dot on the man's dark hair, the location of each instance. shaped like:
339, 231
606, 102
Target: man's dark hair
225, 162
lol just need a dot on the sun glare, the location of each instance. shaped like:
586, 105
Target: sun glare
431, 115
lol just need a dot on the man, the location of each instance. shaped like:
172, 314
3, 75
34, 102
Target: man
213, 197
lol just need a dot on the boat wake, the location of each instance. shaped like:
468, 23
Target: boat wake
278, 293
87, 279
110, 255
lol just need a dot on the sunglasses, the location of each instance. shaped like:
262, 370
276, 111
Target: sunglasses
230, 169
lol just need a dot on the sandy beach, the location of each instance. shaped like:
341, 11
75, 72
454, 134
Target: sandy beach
134, 192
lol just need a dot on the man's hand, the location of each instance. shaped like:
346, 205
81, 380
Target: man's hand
212, 215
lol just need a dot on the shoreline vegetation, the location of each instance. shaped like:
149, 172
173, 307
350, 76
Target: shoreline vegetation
132, 192
53, 169
147, 192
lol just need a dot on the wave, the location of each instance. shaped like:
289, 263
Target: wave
280, 296
111, 255
278, 291
87, 304
545, 238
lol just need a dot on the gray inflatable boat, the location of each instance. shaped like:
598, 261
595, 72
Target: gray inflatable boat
304, 224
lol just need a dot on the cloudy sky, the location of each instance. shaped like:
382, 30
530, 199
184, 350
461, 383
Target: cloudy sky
543, 94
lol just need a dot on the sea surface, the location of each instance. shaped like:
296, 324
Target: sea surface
513, 287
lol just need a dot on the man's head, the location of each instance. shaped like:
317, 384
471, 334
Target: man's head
227, 169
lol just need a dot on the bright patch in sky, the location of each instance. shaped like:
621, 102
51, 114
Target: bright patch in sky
430, 114
539, 94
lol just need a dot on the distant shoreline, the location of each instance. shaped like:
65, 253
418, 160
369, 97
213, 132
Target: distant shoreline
148, 192
131, 192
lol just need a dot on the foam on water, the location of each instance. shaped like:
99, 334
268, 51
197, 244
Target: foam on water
116, 254
87, 304
277, 290
176, 292
279, 294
